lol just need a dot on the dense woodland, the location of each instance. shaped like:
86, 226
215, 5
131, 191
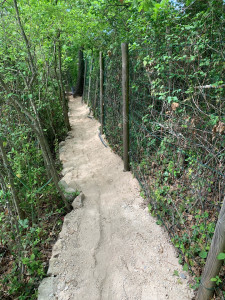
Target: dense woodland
177, 119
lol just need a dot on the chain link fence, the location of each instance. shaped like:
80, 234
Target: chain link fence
177, 145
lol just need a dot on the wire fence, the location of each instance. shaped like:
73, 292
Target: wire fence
177, 145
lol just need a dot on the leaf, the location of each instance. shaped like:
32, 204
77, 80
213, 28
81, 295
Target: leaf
158, 222
185, 267
213, 279
203, 254
174, 106
219, 127
221, 256
25, 260
10, 95
24, 223
170, 99
190, 217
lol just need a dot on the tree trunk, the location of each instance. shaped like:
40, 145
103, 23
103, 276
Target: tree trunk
101, 76
13, 222
8, 169
80, 78
213, 265
64, 102
31, 61
35, 125
46, 153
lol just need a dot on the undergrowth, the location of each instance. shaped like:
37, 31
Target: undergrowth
24, 257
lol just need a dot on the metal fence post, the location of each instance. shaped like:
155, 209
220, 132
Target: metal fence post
85, 74
89, 84
125, 90
96, 91
101, 91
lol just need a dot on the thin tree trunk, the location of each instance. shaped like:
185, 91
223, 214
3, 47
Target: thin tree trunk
47, 156
8, 169
213, 265
169, 51
57, 77
35, 125
32, 67
64, 103
14, 223
8, 203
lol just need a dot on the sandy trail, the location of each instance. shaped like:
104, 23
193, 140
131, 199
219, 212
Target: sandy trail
111, 248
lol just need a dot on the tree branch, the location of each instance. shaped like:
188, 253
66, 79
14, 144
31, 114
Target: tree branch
25, 38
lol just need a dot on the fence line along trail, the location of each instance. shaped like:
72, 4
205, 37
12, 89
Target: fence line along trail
110, 248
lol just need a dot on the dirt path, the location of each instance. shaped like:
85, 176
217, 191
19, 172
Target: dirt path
111, 248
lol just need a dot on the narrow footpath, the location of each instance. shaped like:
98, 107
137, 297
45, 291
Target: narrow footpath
110, 248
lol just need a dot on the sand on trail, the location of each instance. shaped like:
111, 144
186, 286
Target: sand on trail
111, 248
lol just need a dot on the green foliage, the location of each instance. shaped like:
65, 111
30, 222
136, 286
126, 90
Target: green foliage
217, 280
221, 256
176, 112
31, 102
